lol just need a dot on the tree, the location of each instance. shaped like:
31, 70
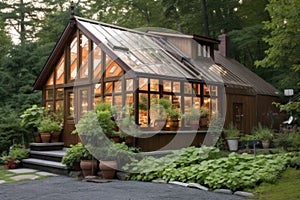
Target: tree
284, 42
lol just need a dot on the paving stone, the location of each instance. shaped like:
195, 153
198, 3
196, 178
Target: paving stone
244, 194
179, 183
225, 191
22, 170
24, 176
198, 186
45, 174
2, 181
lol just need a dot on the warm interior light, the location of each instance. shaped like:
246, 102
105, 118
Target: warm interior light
113, 69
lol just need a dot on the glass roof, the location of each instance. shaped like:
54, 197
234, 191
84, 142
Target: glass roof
145, 53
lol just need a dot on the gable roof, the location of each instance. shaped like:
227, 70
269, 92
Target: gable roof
142, 53
246, 76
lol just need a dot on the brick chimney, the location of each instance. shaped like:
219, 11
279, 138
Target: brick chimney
224, 42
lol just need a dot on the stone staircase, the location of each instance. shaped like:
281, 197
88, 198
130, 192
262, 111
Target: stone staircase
46, 157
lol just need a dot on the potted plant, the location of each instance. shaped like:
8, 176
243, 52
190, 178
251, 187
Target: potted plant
174, 114
232, 136
13, 159
204, 113
31, 118
192, 117
73, 156
159, 108
48, 127
264, 134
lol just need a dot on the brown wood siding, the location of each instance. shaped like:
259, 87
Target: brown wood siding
268, 114
183, 44
249, 110
160, 140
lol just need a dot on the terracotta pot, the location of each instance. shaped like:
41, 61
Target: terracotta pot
108, 169
173, 124
88, 167
194, 124
45, 137
55, 137
203, 121
115, 138
266, 145
129, 140
160, 124
36, 137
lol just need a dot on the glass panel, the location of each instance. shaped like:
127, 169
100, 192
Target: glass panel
129, 85
167, 86
118, 87
112, 68
213, 90
143, 110
196, 88
206, 90
70, 102
197, 102
97, 62
84, 68
129, 99
154, 109
97, 89
108, 99
108, 87
154, 85
118, 101
176, 87
206, 102
214, 106
143, 84
83, 99
187, 103
60, 69
49, 105
59, 110
60, 93
50, 80
73, 59
97, 100
177, 101
49, 94
188, 88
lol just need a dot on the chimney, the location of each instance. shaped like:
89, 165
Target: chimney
224, 42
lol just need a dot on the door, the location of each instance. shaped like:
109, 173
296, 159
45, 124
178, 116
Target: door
77, 103
238, 116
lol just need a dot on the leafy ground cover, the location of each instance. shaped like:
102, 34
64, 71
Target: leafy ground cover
287, 187
208, 167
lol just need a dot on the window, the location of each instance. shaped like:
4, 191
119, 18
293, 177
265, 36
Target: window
97, 62
84, 68
60, 69
50, 80
73, 59
112, 68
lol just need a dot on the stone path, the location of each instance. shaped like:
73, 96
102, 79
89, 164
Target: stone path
26, 174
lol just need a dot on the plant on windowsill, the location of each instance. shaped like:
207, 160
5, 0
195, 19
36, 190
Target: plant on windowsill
159, 108
204, 113
48, 127
232, 136
192, 117
174, 114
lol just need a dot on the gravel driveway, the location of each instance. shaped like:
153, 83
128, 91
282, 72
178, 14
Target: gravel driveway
65, 188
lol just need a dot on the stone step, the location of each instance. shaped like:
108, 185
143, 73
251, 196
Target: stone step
45, 165
47, 146
48, 155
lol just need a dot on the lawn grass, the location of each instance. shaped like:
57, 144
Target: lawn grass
287, 187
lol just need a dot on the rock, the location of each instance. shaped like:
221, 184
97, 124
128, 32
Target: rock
22, 170
159, 181
123, 176
2, 181
225, 191
75, 174
178, 183
244, 194
198, 186
24, 177
45, 174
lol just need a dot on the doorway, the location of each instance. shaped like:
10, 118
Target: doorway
238, 116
